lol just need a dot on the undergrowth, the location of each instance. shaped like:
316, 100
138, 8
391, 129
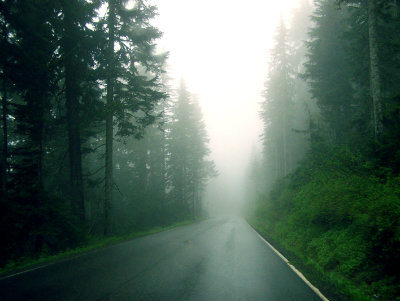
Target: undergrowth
340, 219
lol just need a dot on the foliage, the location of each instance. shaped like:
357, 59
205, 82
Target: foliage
338, 211
187, 167
278, 107
333, 211
73, 80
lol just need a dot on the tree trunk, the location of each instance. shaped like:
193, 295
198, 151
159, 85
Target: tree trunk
38, 135
109, 120
194, 200
73, 124
4, 146
4, 164
275, 159
285, 148
310, 126
375, 81
163, 173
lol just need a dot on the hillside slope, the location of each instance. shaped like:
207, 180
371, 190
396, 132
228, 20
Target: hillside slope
341, 218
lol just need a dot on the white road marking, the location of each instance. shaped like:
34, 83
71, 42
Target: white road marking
316, 290
25, 271
73, 256
41, 266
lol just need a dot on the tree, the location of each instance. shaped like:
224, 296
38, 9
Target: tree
132, 72
328, 72
376, 92
111, 76
178, 163
29, 81
277, 107
31, 75
188, 168
5, 69
66, 71
304, 107
374, 9
202, 169
77, 61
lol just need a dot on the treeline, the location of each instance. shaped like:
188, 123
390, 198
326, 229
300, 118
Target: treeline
329, 173
93, 142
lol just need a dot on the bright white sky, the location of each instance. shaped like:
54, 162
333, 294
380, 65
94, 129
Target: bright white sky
220, 48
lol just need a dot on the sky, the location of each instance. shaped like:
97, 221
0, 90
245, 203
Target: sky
220, 48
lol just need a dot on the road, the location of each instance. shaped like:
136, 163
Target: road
216, 259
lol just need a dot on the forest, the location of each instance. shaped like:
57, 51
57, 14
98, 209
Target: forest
327, 182
94, 140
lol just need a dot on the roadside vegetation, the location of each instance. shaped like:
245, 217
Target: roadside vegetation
328, 180
341, 220
91, 243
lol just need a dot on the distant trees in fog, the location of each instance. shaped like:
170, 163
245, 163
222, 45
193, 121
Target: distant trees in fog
286, 105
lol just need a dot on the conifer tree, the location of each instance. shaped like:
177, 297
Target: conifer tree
304, 107
379, 17
5, 69
77, 63
328, 74
277, 108
132, 72
32, 73
188, 167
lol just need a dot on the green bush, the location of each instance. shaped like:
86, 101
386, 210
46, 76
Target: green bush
341, 219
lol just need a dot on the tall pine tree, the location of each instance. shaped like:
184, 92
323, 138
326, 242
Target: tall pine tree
277, 108
132, 73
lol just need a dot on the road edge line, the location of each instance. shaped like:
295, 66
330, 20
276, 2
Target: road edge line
44, 264
25, 271
316, 290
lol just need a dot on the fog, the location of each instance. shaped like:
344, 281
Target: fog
221, 50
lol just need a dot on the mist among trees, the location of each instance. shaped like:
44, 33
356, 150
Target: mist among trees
328, 177
97, 141
94, 140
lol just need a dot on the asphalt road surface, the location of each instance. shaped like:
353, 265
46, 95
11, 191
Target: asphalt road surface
217, 259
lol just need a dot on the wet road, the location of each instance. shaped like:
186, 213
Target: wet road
217, 259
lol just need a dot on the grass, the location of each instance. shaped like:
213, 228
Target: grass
93, 243
332, 285
339, 224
